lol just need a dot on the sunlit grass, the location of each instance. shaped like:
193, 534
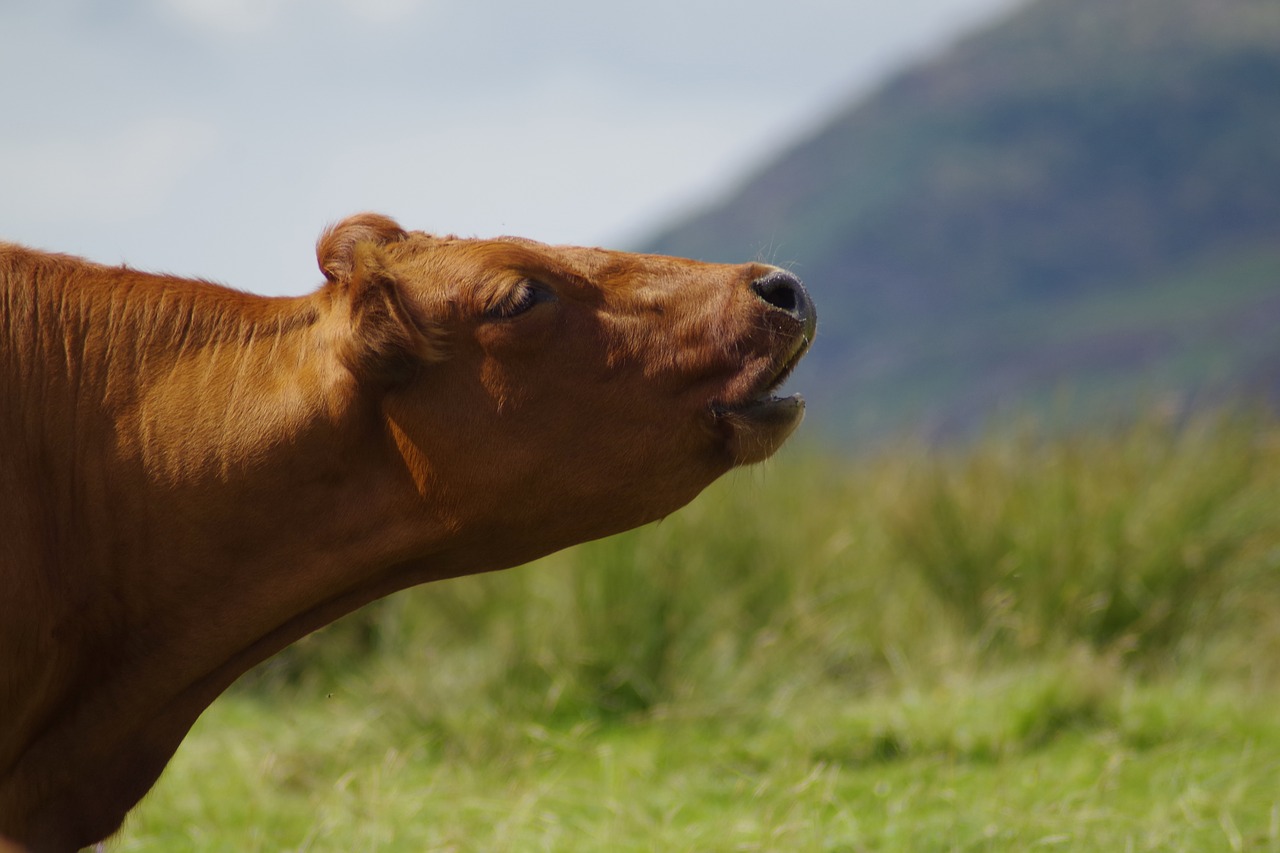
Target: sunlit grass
993, 763
1065, 643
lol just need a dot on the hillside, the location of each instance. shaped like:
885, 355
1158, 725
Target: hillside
1073, 209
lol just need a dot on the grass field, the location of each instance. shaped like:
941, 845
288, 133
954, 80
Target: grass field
1066, 643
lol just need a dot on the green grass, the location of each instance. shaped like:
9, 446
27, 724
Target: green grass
999, 763
1062, 643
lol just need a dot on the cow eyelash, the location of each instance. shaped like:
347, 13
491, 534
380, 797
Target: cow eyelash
520, 299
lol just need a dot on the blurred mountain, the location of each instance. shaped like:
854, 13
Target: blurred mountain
1074, 211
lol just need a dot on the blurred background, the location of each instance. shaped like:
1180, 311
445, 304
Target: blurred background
1034, 599
1068, 206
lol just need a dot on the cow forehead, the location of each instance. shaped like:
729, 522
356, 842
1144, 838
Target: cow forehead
580, 264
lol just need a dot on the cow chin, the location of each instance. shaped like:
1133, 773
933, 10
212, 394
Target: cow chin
755, 430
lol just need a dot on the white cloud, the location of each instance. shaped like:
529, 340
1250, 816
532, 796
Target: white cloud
107, 177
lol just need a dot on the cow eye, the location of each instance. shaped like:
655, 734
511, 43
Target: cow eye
520, 299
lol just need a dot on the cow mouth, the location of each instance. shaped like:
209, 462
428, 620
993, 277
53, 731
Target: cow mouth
761, 421
761, 400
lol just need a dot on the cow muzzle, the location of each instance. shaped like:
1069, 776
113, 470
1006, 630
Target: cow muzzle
760, 421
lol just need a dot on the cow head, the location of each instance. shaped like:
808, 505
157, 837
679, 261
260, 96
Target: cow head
564, 393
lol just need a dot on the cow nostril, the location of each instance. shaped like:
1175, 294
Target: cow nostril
777, 292
784, 291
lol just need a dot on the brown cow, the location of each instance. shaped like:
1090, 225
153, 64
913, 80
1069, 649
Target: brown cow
194, 477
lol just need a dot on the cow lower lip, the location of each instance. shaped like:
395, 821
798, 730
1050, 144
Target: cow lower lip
755, 429
764, 408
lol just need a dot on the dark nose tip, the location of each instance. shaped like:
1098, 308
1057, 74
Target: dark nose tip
784, 291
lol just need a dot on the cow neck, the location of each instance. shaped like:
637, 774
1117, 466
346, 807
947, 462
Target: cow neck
247, 471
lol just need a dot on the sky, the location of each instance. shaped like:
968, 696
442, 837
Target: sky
217, 138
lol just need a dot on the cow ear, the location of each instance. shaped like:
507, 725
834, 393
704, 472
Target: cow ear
383, 341
336, 248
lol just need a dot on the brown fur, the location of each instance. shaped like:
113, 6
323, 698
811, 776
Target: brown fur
194, 477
